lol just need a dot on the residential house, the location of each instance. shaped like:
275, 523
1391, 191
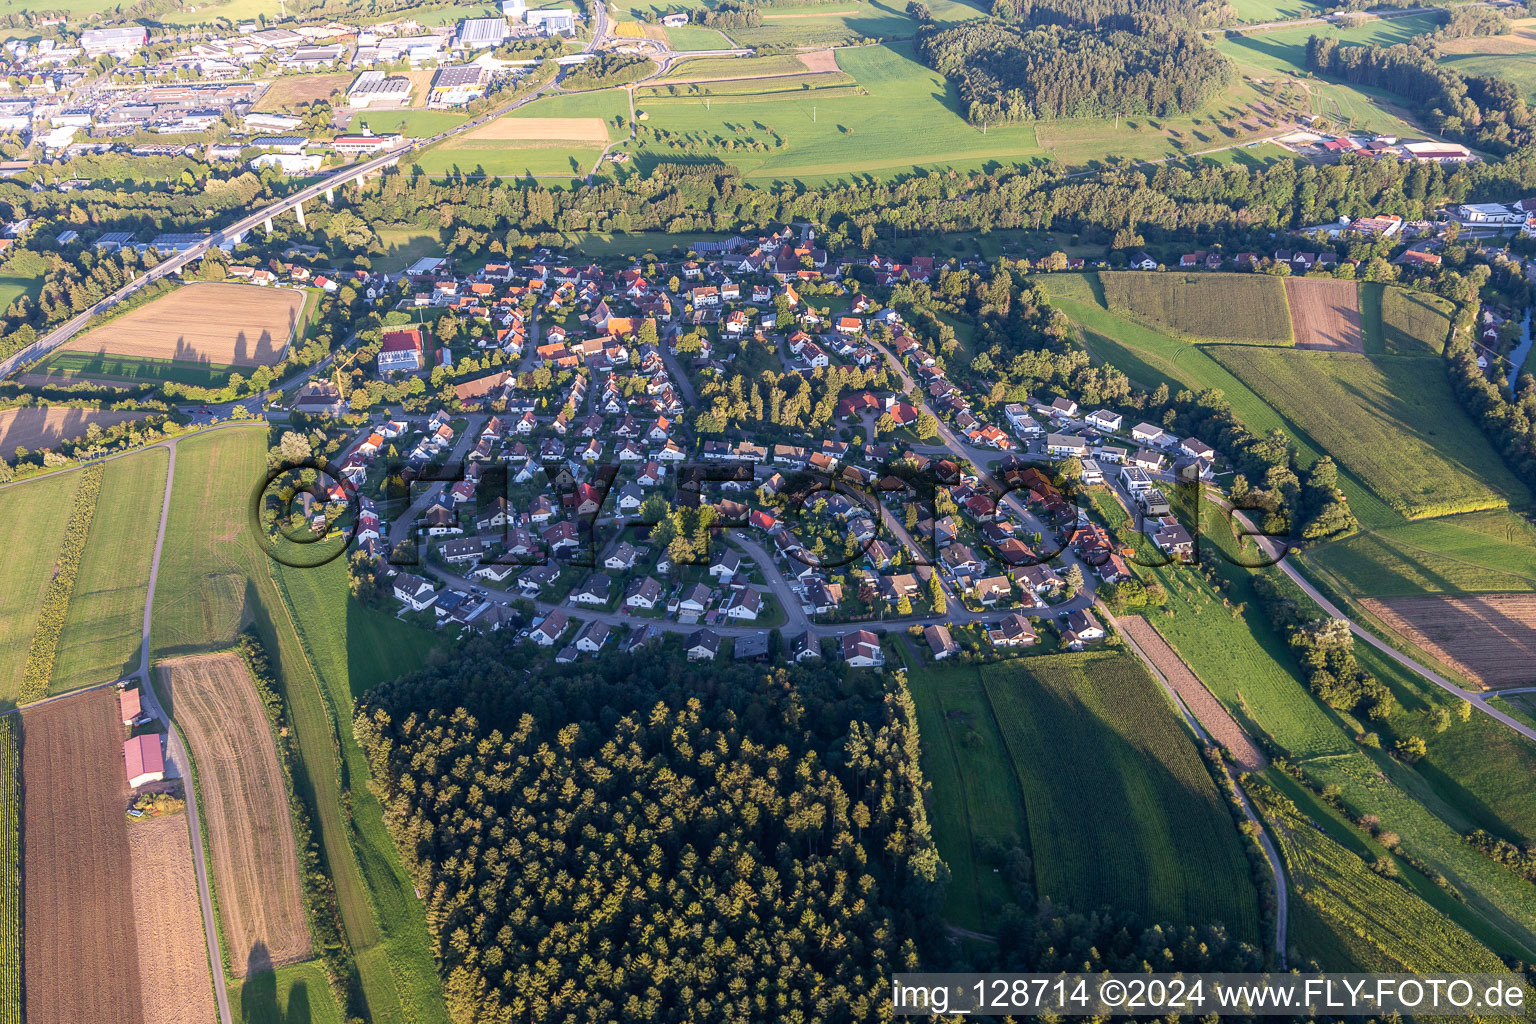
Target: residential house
940, 643
861, 649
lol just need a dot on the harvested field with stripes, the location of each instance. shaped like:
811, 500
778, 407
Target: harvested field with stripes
1490, 639
1325, 314
245, 802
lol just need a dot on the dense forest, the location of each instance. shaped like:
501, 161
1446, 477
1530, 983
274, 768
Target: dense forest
1479, 110
1131, 15
1006, 73
635, 840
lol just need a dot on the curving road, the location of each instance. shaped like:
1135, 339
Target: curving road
1277, 550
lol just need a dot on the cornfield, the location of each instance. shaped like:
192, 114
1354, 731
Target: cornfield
1247, 308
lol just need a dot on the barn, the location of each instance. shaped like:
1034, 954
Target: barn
143, 758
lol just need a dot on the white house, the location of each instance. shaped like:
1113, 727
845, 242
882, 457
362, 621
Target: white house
861, 649
414, 591
1103, 419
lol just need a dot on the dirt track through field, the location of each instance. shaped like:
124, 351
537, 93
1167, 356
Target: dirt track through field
1208, 711
245, 804
80, 953
1325, 314
807, 14
1490, 638
222, 324
173, 961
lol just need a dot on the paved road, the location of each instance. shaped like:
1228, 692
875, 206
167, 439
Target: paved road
1276, 550
400, 528
1282, 896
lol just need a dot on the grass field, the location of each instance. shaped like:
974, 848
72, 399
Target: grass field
1101, 757
487, 151
135, 369
101, 637
404, 244
694, 37
32, 520
418, 124
353, 650
1368, 413
1519, 69
1208, 307
298, 994
210, 554
976, 792
1400, 322
1150, 357
1480, 552
22, 274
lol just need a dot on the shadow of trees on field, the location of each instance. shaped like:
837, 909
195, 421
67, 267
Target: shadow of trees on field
260, 1002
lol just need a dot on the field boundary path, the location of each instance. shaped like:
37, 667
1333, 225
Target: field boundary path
1282, 895
176, 758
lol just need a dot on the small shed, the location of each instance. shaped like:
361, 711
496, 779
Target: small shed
144, 761
128, 701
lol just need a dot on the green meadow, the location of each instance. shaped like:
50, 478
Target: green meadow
104, 623
516, 158
1117, 809
1392, 421
1480, 552
32, 519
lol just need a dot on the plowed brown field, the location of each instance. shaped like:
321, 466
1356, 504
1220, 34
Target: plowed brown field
81, 956
245, 804
1325, 314
173, 958
222, 324
1490, 639
1208, 711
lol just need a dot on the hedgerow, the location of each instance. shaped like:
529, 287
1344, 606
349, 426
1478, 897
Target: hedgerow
50, 621
10, 873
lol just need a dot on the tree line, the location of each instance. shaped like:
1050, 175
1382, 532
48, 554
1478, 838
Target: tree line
1480, 110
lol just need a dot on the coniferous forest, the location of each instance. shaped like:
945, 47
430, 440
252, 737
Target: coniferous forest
640, 839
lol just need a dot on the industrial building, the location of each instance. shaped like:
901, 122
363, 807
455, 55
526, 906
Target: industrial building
375, 89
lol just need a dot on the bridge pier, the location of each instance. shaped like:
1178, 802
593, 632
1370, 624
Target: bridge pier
268, 225
330, 196
298, 211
